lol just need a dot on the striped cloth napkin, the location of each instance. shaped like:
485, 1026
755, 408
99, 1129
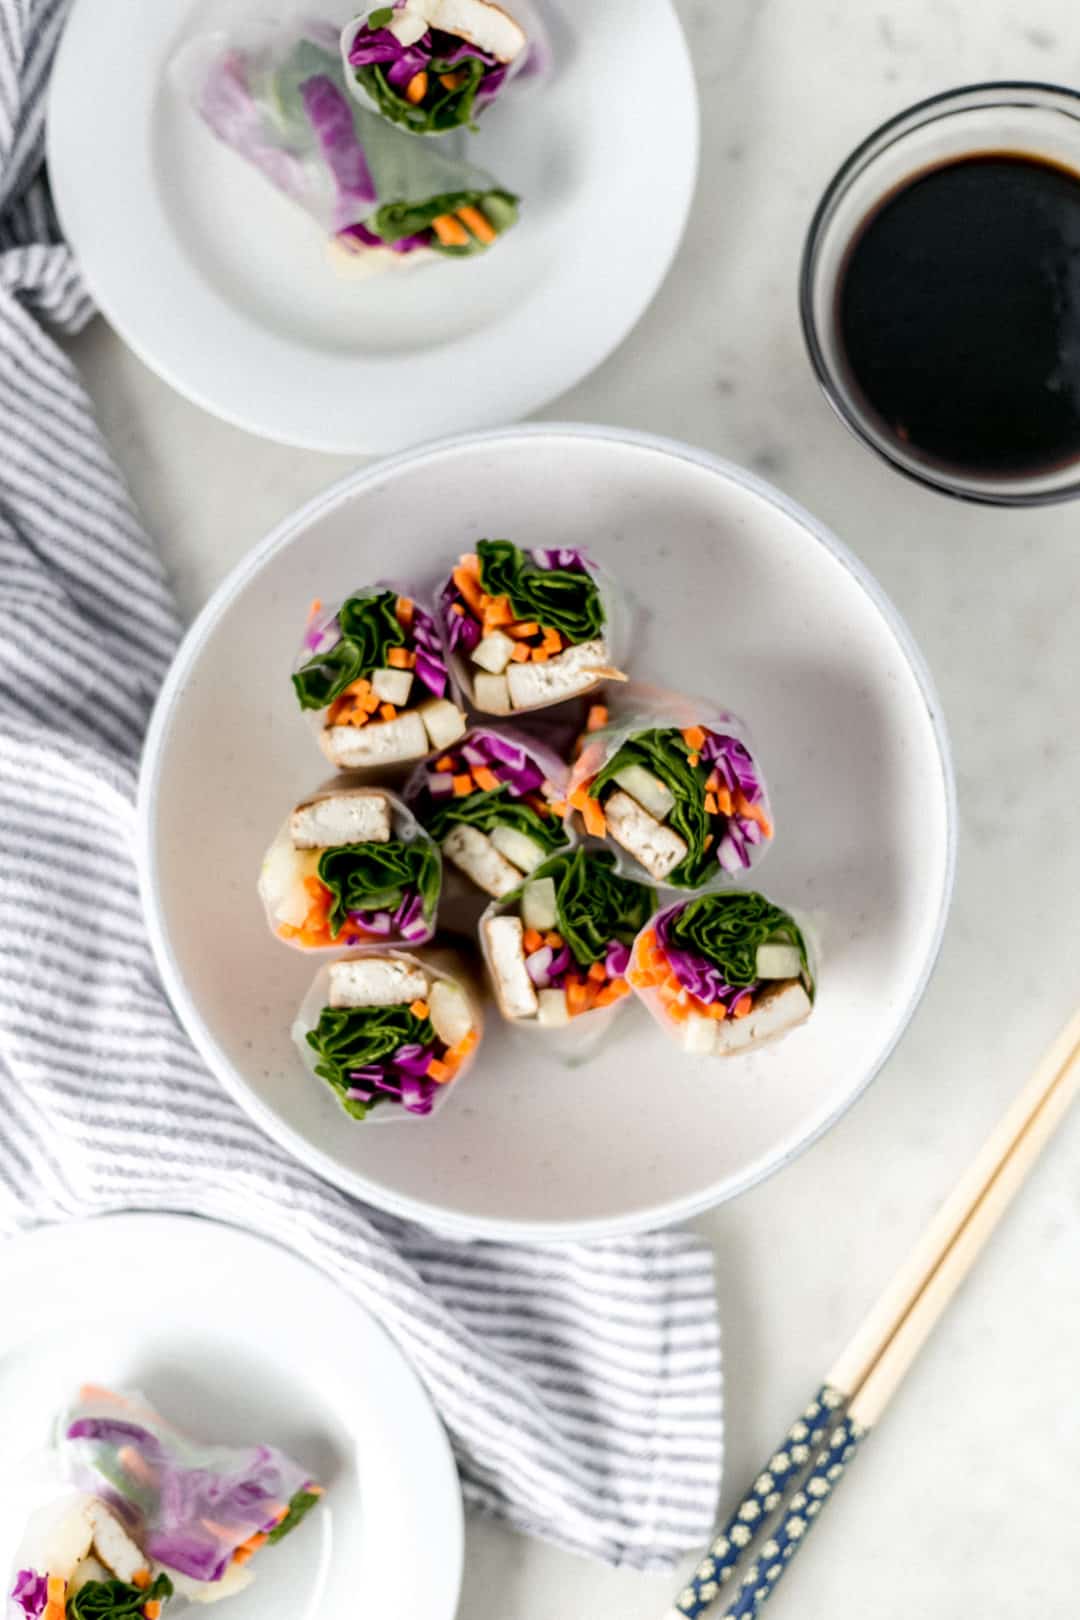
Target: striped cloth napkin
580, 1385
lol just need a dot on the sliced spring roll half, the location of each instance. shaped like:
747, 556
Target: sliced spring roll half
77, 1561
351, 867
724, 973
557, 949
431, 65
687, 804
528, 629
179, 1510
495, 803
389, 1032
278, 98
373, 671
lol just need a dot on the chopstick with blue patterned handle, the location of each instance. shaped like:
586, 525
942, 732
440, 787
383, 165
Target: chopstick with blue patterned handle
796, 1484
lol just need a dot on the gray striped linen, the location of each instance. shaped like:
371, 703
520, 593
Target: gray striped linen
580, 1384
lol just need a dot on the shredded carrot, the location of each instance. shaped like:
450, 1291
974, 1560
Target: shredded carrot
598, 973
358, 688
416, 89
253, 1543
55, 1588
597, 717
553, 641
287, 931
446, 763
485, 778
404, 608
419, 1008
466, 1044
711, 806
742, 1007
367, 703
440, 1072
240, 1556
98, 1392
752, 812
693, 759
53, 1611
400, 658
558, 807
315, 609
723, 801
317, 890
452, 81
498, 613
524, 628
540, 655
463, 784
532, 939
716, 1011
520, 654
678, 1013
466, 577
577, 999
591, 813
694, 738
710, 840
152, 1610
136, 1464
554, 939
612, 992
456, 607
450, 231
477, 222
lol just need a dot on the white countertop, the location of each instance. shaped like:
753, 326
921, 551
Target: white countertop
969, 1490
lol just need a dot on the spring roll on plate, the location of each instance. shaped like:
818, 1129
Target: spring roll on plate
724, 973
158, 1515
277, 96
528, 629
495, 803
687, 804
557, 949
390, 1032
431, 65
351, 866
373, 672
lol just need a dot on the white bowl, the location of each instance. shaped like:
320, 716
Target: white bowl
744, 597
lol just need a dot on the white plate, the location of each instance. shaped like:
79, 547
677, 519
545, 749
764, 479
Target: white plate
237, 1340
224, 288
744, 597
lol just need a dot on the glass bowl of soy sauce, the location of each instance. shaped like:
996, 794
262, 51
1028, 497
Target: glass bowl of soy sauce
940, 293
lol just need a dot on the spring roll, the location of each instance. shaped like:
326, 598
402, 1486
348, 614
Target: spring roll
528, 629
495, 803
278, 98
686, 804
431, 66
373, 671
557, 948
351, 866
389, 1032
77, 1561
724, 973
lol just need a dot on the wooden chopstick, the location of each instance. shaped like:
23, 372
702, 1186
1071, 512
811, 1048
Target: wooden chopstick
870, 1369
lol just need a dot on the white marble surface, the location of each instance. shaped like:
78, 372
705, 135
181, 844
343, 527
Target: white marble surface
968, 1495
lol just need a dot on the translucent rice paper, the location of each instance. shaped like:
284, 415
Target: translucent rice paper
189, 1506
246, 85
650, 997
439, 962
322, 633
404, 827
617, 622
529, 68
637, 708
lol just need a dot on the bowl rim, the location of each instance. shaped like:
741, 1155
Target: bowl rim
501, 1229
941, 484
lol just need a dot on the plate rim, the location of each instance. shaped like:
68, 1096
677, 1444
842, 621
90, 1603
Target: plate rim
365, 442
505, 1229
53, 1234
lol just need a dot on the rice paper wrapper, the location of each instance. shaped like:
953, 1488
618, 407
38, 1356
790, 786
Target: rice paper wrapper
277, 96
416, 1098
409, 922
188, 1505
460, 642
433, 676
445, 112
588, 1030
738, 842
682, 1013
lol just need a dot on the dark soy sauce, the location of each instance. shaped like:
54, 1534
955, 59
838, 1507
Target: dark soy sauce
959, 314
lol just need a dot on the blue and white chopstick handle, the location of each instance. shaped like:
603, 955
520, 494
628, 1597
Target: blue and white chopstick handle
801, 1511
763, 1498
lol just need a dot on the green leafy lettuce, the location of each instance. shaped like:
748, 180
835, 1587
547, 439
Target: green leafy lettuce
726, 929
300, 1505
495, 808
442, 108
369, 628
395, 220
594, 904
374, 877
347, 1038
561, 599
116, 1600
664, 753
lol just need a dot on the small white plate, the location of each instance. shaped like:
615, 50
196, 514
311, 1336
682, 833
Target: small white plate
744, 598
237, 1340
224, 287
